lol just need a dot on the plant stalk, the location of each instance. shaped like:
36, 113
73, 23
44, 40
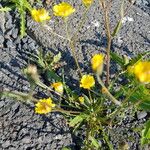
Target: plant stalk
112, 98
109, 39
54, 33
72, 46
74, 113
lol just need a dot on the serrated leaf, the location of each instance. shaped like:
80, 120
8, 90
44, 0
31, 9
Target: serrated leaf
27, 5
22, 24
5, 9
139, 57
56, 58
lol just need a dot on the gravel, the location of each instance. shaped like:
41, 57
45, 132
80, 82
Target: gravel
20, 127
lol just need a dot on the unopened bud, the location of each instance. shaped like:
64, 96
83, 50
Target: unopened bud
104, 90
32, 72
31, 69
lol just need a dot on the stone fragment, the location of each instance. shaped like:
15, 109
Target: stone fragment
141, 115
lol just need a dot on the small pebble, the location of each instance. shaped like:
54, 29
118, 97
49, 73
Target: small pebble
141, 115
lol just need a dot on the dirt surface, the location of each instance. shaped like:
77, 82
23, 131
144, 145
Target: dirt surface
20, 127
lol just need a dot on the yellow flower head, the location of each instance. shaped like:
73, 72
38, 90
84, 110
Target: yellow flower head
58, 86
87, 81
40, 15
81, 99
97, 63
63, 9
44, 106
142, 71
87, 3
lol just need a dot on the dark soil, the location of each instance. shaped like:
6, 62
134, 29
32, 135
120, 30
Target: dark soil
20, 127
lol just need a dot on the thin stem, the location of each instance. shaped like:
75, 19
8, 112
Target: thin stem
74, 55
39, 83
66, 26
74, 113
74, 37
19, 96
127, 10
72, 46
117, 76
108, 33
91, 100
24, 97
106, 137
87, 135
54, 33
115, 113
112, 98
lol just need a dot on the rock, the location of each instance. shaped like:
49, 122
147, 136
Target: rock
15, 33
1, 41
59, 136
8, 24
10, 44
26, 139
2, 22
6, 144
141, 115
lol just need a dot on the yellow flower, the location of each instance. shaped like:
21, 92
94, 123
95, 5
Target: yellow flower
87, 81
40, 15
142, 71
81, 99
44, 106
87, 3
63, 9
97, 63
58, 86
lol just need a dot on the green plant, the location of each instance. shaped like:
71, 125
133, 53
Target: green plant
89, 109
146, 134
22, 6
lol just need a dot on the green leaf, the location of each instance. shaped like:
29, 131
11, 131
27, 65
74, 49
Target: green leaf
49, 74
117, 28
139, 57
94, 142
22, 23
27, 5
145, 105
119, 24
145, 139
117, 58
56, 58
143, 96
78, 119
5, 9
